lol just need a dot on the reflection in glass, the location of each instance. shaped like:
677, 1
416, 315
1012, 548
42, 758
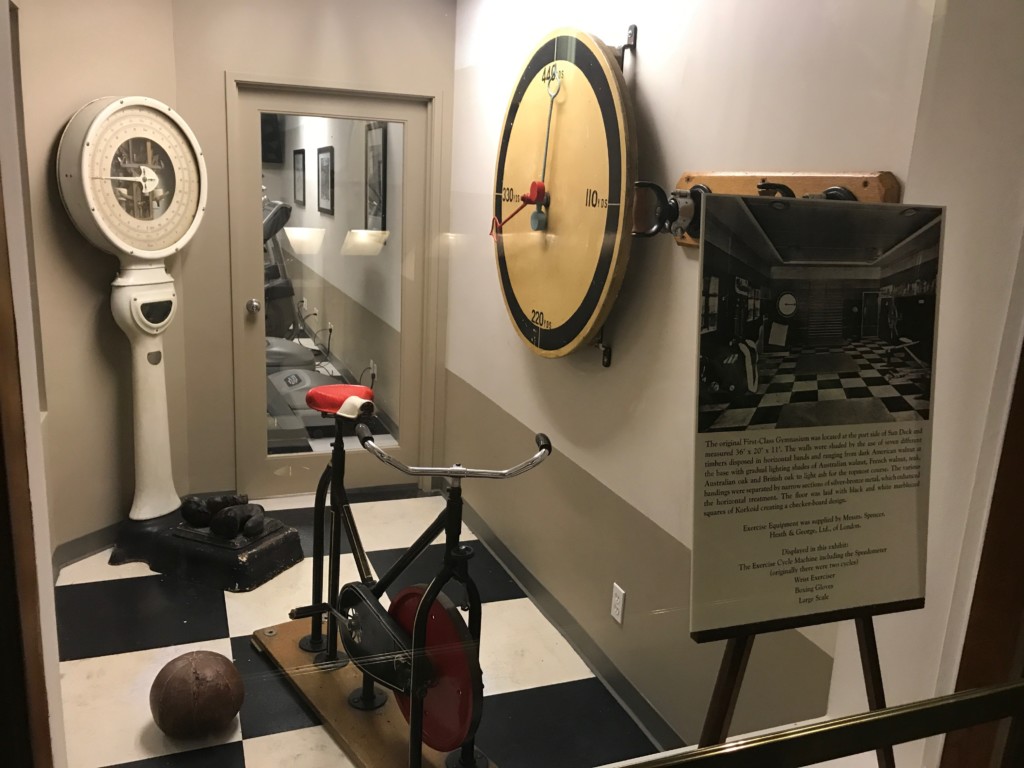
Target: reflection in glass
332, 287
142, 178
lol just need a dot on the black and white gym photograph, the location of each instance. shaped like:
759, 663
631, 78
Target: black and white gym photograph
816, 313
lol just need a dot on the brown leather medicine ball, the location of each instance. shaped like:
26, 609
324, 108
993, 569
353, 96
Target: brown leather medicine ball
196, 695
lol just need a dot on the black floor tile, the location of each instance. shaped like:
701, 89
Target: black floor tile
531, 728
122, 615
302, 521
276, 450
488, 574
768, 414
747, 400
804, 396
271, 703
221, 756
907, 389
705, 419
896, 404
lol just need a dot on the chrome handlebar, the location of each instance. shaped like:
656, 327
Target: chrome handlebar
456, 470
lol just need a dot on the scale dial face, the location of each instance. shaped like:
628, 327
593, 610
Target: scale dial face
132, 176
569, 127
787, 305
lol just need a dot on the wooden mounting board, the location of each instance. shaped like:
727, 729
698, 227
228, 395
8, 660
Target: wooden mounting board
377, 739
876, 187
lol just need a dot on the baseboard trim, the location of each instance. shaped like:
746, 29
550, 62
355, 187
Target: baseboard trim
644, 715
84, 546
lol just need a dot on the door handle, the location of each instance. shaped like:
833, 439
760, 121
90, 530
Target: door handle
253, 306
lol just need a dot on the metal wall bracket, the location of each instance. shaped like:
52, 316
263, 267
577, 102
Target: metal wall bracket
676, 212
605, 349
873, 187
629, 45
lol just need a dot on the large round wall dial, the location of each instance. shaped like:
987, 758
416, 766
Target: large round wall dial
563, 193
132, 176
786, 304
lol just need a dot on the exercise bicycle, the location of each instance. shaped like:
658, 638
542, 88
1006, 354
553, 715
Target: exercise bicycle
420, 648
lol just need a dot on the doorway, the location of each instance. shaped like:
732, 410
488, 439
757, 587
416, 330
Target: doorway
330, 276
869, 314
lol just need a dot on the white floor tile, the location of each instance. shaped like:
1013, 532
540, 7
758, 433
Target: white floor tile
775, 398
831, 394
735, 417
106, 707
96, 568
520, 649
883, 390
306, 747
269, 603
299, 501
396, 524
323, 444
907, 416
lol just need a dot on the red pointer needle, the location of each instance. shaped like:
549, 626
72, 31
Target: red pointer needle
536, 195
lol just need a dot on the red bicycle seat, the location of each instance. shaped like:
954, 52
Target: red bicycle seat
349, 401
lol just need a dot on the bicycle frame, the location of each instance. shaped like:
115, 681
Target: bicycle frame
454, 567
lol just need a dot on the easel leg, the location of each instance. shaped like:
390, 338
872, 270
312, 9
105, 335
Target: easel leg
727, 690
873, 679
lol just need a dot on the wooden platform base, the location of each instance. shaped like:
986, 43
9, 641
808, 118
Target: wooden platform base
378, 739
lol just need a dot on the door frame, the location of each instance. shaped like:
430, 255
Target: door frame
28, 732
27, 591
429, 271
993, 649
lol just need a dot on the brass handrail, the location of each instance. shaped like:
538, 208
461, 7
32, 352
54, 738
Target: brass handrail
855, 734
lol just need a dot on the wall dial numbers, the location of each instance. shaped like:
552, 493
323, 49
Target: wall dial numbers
568, 130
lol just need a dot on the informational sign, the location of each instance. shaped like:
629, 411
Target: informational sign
813, 443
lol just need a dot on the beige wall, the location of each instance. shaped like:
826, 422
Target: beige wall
575, 537
907, 88
85, 363
66, 61
325, 41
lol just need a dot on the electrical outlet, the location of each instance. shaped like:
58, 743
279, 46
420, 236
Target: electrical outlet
316, 312
330, 326
302, 303
373, 369
618, 602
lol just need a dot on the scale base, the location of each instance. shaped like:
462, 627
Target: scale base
175, 548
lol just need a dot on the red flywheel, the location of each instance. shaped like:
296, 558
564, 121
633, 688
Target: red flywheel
451, 708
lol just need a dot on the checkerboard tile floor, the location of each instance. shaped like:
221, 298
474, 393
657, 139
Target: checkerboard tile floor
895, 380
118, 625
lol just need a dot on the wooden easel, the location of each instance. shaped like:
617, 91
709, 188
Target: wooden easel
734, 665
876, 187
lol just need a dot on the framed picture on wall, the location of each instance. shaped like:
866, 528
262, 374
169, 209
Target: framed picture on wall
272, 138
325, 180
299, 176
376, 175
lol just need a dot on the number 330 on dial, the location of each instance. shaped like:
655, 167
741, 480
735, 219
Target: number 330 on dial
563, 193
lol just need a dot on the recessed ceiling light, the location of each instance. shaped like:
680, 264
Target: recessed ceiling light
778, 205
908, 212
